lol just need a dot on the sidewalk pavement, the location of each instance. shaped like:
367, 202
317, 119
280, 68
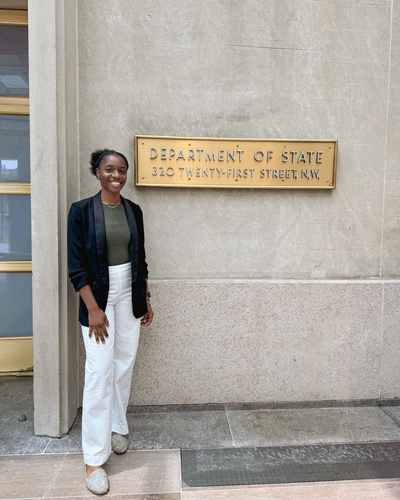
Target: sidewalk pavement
293, 451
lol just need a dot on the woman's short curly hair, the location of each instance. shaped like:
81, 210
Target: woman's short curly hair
98, 155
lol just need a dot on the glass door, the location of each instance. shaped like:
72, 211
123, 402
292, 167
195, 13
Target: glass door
16, 346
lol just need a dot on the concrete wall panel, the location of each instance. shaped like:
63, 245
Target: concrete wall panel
229, 325
245, 69
248, 341
391, 233
260, 341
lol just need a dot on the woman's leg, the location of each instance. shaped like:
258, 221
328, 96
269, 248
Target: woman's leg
98, 394
126, 340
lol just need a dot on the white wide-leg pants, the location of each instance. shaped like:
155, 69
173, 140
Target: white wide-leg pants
108, 370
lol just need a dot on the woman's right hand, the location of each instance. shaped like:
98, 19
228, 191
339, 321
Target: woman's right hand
98, 323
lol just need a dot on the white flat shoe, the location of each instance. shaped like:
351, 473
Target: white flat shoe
119, 444
97, 482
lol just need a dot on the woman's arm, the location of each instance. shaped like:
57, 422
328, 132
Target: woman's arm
77, 258
98, 321
142, 264
148, 317
78, 273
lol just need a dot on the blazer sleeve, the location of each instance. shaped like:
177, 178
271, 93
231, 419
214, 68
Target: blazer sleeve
77, 254
142, 264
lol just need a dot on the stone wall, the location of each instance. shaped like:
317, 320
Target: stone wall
259, 295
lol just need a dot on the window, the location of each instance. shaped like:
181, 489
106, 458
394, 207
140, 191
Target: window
15, 215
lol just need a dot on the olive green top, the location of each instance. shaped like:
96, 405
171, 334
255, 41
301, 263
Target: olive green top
117, 235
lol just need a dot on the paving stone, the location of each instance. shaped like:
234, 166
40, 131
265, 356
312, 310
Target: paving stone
178, 430
311, 426
289, 464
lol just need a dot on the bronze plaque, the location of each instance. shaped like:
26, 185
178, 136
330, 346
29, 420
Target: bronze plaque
234, 163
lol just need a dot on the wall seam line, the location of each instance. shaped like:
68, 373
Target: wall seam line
386, 137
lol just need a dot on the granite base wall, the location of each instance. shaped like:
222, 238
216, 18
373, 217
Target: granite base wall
257, 341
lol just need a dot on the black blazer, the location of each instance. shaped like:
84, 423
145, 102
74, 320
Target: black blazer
87, 253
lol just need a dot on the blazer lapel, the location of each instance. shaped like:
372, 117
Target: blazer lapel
134, 237
101, 242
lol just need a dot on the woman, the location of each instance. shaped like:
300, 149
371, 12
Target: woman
107, 266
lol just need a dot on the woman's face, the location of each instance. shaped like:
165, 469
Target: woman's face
112, 173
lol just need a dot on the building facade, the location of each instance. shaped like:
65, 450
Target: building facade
259, 295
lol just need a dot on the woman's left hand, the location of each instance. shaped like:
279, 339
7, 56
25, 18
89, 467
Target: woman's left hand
148, 317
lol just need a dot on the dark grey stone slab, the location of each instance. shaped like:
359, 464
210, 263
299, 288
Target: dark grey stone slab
16, 402
290, 464
17, 435
70, 443
36, 445
17, 439
176, 430
180, 408
16, 396
269, 405
299, 405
